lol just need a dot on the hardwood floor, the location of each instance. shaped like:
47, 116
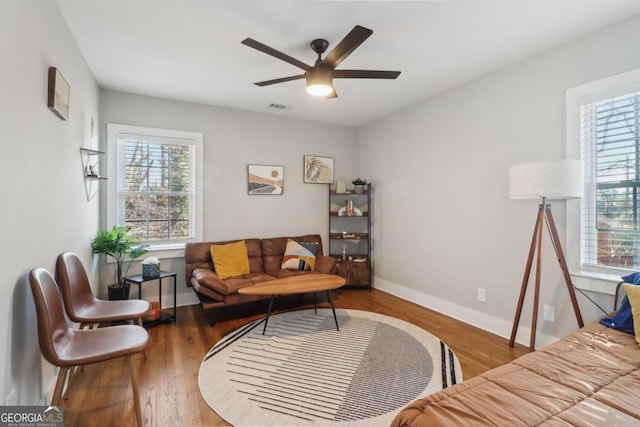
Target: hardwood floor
100, 395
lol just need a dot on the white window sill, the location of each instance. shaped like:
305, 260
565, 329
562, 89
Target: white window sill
175, 250
603, 283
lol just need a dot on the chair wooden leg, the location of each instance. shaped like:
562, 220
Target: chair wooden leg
71, 375
57, 393
134, 384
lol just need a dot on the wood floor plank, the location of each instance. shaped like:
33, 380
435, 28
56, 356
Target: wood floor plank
168, 377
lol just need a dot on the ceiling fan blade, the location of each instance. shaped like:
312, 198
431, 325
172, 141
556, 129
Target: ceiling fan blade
347, 45
364, 74
275, 53
280, 80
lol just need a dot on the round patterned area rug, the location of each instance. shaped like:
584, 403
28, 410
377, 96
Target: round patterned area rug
303, 372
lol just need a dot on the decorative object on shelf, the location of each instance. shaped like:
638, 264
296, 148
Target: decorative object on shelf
358, 185
90, 161
559, 179
318, 170
90, 172
264, 179
151, 268
341, 187
58, 94
344, 212
154, 313
118, 245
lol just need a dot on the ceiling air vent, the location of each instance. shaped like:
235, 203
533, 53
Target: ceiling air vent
278, 106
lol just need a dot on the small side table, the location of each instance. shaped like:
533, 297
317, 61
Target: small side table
139, 279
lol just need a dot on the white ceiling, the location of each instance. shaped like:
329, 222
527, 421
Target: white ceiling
190, 50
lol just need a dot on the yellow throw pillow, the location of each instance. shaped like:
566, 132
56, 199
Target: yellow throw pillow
633, 293
231, 259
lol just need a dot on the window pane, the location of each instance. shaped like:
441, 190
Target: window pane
611, 147
179, 229
157, 192
135, 207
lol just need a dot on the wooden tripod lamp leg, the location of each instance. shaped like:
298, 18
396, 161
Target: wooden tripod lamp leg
544, 217
563, 266
527, 273
536, 293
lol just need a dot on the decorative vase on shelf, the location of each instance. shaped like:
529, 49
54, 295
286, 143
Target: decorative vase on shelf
358, 185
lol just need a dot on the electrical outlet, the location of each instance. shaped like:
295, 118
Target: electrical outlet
549, 313
482, 295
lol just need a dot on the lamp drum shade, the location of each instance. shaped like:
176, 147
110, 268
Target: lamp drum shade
555, 179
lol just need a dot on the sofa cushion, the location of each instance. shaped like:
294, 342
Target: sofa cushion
232, 284
206, 282
281, 274
231, 259
211, 280
299, 255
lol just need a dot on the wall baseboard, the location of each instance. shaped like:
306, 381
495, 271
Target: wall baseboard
475, 318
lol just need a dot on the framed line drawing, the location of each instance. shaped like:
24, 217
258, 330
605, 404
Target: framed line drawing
318, 170
265, 179
58, 94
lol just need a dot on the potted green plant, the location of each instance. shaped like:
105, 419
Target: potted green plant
122, 247
358, 185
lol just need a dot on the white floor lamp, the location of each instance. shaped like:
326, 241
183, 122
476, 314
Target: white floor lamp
557, 179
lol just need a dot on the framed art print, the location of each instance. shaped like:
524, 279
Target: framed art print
318, 170
58, 94
264, 179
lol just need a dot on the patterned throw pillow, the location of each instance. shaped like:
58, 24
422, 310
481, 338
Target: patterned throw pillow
299, 256
231, 259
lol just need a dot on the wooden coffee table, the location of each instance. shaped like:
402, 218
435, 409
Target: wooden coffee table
301, 284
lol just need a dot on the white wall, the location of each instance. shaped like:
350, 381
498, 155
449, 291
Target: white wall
444, 225
44, 209
232, 140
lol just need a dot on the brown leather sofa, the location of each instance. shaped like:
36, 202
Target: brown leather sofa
265, 260
590, 378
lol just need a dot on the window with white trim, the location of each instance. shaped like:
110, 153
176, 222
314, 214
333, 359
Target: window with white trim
156, 187
610, 210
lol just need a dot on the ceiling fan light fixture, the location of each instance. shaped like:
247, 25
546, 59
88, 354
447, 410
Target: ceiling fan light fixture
319, 82
319, 89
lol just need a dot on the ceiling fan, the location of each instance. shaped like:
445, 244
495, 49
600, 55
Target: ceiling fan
320, 76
